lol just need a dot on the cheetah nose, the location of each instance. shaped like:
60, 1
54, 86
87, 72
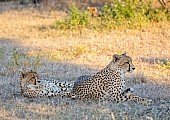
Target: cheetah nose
133, 68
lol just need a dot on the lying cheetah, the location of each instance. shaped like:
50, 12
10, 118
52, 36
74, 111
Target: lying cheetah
109, 83
31, 86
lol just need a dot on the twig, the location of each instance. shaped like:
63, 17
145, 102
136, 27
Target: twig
113, 117
164, 4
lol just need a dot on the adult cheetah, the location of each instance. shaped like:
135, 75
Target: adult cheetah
109, 83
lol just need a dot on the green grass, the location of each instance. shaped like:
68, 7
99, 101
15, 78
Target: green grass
21, 61
1, 53
165, 64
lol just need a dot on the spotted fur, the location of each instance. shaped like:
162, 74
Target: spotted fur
109, 83
81, 79
31, 86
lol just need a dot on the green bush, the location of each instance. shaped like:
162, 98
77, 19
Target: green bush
131, 14
76, 19
128, 14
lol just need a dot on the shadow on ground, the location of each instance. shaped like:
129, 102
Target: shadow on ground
59, 5
14, 105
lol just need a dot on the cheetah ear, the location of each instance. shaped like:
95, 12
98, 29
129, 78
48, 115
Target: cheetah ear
124, 54
22, 74
115, 58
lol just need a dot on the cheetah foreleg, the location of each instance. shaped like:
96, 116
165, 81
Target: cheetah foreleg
129, 97
141, 100
35, 93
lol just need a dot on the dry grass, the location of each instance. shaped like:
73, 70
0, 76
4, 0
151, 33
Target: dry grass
65, 55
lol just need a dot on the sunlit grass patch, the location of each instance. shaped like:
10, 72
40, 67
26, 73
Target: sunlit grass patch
64, 53
165, 64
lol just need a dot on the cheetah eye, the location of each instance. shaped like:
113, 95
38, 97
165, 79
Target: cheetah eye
126, 63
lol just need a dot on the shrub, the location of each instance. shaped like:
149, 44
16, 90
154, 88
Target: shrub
118, 14
131, 14
76, 19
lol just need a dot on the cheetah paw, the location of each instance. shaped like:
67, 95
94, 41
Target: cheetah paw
148, 102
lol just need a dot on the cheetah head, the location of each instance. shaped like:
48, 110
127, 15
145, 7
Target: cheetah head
30, 77
92, 11
122, 63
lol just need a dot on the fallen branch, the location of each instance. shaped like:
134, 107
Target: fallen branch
164, 4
